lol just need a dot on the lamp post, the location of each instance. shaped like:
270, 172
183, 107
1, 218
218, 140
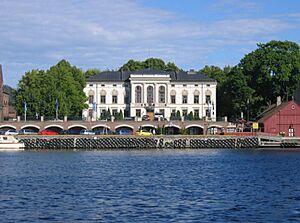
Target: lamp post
25, 110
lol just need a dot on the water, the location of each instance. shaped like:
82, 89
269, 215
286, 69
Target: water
150, 186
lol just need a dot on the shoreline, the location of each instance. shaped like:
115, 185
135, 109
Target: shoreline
158, 142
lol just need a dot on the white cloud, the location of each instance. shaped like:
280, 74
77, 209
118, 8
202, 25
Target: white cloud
106, 33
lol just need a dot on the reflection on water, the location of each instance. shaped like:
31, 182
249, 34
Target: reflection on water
150, 186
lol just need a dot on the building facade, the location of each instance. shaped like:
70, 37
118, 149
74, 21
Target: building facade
282, 118
147, 92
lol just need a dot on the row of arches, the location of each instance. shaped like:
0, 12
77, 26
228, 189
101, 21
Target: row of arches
150, 94
171, 129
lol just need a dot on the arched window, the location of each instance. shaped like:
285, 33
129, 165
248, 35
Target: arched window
115, 97
149, 94
196, 97
102, 96
184, 97
208, 96
162, 94
91, 97
138, 94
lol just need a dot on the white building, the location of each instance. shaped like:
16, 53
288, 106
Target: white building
138, 93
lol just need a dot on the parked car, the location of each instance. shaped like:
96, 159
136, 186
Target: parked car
28, 132
104, 132
48, 132
123, 132
86, 132
70, 132
146, 118
11, 132
144, 132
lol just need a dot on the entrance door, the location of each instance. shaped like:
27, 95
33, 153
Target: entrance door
150, 114
291, 132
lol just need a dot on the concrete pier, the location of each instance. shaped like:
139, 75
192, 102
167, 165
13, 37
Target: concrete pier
157, 142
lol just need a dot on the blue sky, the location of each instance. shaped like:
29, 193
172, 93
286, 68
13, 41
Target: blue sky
104, 34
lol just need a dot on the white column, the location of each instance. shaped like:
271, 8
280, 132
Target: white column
145, 93
155, 101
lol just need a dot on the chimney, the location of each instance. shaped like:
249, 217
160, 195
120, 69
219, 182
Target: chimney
278, 101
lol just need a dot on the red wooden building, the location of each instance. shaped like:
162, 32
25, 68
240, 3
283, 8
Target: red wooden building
281, 118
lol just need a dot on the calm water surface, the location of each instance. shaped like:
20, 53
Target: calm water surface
150, 186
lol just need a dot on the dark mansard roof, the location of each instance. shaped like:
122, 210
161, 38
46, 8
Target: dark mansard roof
118, 76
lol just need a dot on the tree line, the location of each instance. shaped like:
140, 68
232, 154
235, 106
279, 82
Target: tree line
41, 92
272, 70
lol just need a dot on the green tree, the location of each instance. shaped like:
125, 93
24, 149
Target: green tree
239, 95
40, 89
150, 63
133, 65
272, 70
221, 76
190, 116
155, 64
91, 72
171, 67
178, 115
159, 130
119, 115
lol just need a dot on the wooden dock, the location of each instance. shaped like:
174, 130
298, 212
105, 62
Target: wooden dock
278, 142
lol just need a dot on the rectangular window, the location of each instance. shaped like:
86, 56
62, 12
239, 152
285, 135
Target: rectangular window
184, 112
208, 85
91, 85
207, 99
103, 99
173, 99
115, 99
91, 99
196, 99
207, 112
184, 99
115, 112
196, 85
162, 94
196, 113
91, 113
114, 85
184, 85
138, 112
103, 113
173, 113
162, 111
172, 85
102, 85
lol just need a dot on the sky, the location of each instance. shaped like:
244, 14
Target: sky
105, 34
